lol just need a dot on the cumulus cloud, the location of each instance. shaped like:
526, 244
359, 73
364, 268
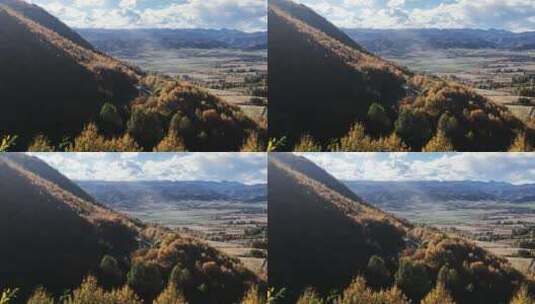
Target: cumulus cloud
514, 15
249, 168
246, 15
516, 168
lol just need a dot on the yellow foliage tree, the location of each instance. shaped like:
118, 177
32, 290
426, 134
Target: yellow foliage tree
307, 144
522, 297
359, 293
310, 296
354, 141
41, 144
90, 141
253, 297
170, 295
6, 142
253, 144
171, 143
40, 296
520, 144
439, 295
439, 143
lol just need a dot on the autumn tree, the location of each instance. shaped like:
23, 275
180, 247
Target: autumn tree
40, 296
307, 144
439, 143
41, 144
171, 143
439, 295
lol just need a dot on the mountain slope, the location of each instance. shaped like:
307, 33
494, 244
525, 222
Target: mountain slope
53, 237
321, 237
42, 17
49, 82
53, 83
321, 74
321, 82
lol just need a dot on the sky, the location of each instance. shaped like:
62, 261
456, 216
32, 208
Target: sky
515, 168
247, 168
513, 15
245, 15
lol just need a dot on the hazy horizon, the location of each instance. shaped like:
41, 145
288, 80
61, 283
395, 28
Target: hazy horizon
512, 15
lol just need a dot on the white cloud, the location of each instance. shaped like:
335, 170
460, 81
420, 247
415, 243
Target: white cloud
515, 15
517, 168
249, 168
246, 15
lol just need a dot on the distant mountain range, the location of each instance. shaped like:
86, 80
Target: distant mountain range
53, 234
322, 82
129, 194
398, 194
403, 41
113, 40
322, 235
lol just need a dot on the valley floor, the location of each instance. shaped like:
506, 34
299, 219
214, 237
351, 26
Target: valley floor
227, 73
489, 71
237, 229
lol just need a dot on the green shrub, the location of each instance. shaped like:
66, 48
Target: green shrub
146, 128
145, 279
112, 122
377, 274
413, 128
111, 274
379, 122
412, 279
181, 277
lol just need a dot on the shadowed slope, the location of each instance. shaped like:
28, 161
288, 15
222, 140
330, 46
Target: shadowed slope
48, 83
321, 236
321, 82
52, 236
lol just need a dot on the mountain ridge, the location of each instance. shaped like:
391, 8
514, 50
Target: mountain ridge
321, 239
73, 236
324, 86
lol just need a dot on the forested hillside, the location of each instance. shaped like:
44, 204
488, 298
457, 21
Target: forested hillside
323, 238
59, 93
329, 93
54, 235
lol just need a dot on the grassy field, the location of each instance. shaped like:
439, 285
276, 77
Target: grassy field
488, 70
231, 227
230, 74
490, 224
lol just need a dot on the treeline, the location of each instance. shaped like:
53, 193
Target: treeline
90, 292
168, 116
442, 270
174, 271
441, 117
360, 293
